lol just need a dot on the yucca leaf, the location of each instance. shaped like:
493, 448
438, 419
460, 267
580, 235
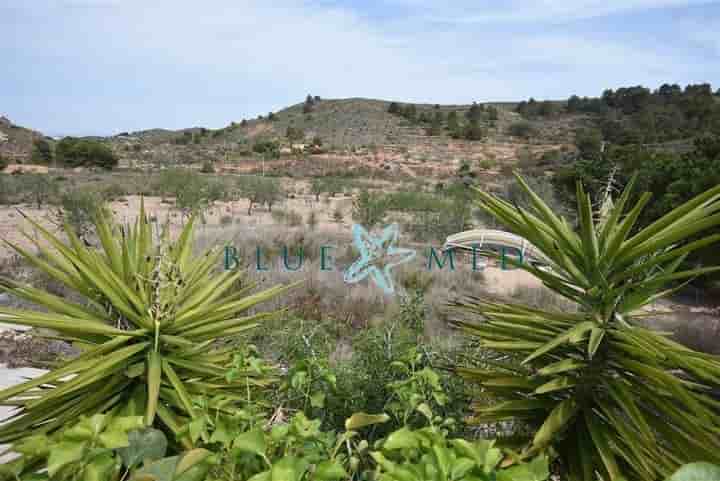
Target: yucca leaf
154, 378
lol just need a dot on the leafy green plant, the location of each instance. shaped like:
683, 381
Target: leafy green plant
104, 448
149, 325
696, 472
79, 207
611, 397
427, 454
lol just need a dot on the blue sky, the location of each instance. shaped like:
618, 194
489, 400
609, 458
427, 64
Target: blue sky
104, 66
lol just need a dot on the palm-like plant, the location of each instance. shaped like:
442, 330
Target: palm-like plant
611, 397
149, 323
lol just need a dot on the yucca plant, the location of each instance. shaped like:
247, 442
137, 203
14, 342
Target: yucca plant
612, 398
148, 325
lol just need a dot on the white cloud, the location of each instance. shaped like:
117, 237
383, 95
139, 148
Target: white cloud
551, 11
178, 63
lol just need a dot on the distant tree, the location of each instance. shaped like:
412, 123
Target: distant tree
395, 108
337, 216
73, 152
243, 123
522, 129
207, 167
41, 152
79, 208
269, 148
294, 133
474, 113
317, 187
260, 190
3, 163
369, 210
271, 116
39, 188
452, 122
309, 104
317, 99
589, 143
473, 131
410, 113
436, 125
547, 109
312, 220
492, 113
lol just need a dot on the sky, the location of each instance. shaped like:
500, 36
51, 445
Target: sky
100, 67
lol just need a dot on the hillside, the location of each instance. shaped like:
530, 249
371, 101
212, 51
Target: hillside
16, 142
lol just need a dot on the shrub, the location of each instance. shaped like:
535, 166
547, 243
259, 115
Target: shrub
207, 167
3, 163
369, 210
74, 152
151, 316
294, 219
312, 220
522, 129
41, 152
79, 208
112, 192
37, 188
611, 397
337, 216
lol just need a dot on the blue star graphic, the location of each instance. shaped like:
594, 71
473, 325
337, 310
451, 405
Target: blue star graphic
377, 250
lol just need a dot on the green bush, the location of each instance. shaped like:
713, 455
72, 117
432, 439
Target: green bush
73, 152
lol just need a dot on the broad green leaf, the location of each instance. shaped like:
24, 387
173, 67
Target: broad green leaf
143, 444
328, 470
65, 453
697, 472
361, 420
251, 442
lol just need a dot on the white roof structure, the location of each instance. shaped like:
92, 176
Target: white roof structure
495, 239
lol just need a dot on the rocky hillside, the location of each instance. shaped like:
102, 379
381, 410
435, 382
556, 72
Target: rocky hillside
16, 142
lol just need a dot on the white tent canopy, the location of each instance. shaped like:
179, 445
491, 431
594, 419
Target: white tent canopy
485, 239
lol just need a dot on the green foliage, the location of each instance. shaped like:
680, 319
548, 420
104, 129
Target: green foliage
294, 133
41, 153
436, 125
74, 152
473, 130
269, 148
672, 179
193, 193
79, 209
522, 129
3, 163
532, 108
609, 396
207, 167
696, 472
104, 448
427, 454
38, 188
260, 190
369, 210
148, 325
309, 104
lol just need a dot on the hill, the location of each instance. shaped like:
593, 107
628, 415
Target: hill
16, 143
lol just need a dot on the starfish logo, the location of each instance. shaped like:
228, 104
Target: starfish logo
378, 255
